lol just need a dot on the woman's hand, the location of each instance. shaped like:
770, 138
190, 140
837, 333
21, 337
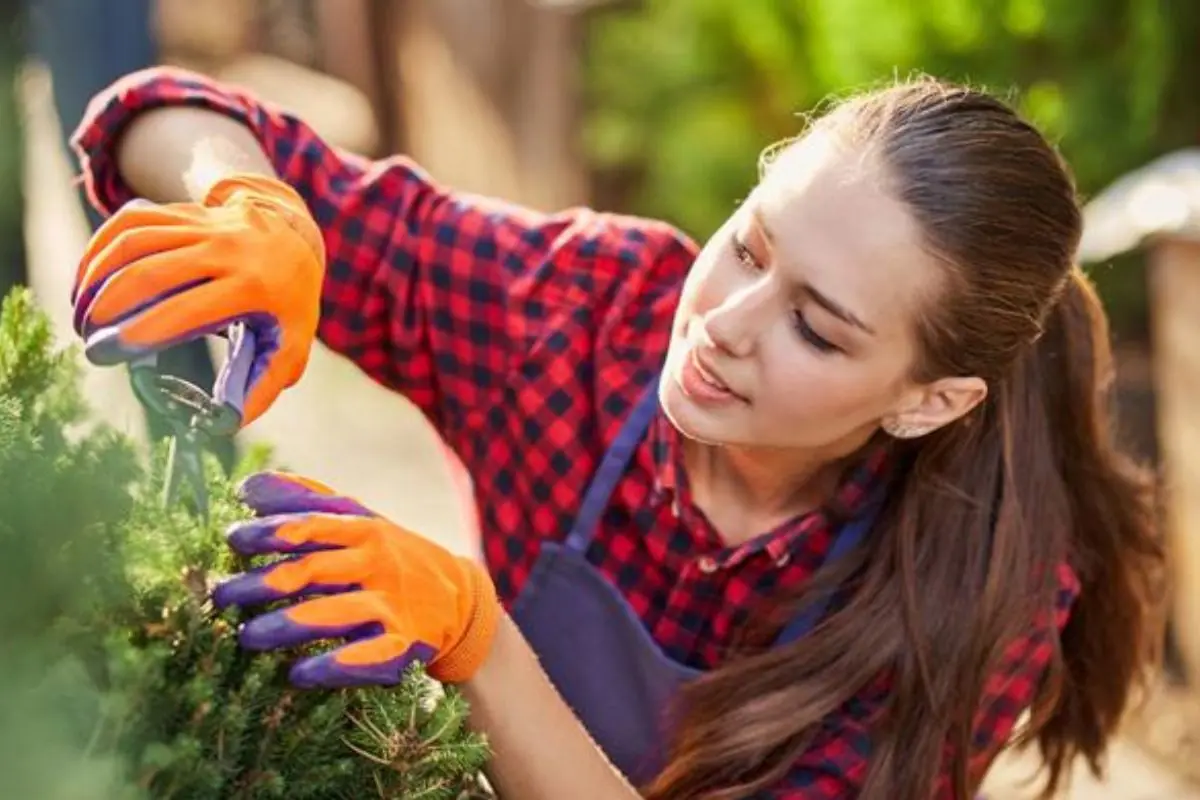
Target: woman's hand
156, 275
397, 596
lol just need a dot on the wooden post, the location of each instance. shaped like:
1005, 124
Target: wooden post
490, 98
359, 40
547, 111
1174, 284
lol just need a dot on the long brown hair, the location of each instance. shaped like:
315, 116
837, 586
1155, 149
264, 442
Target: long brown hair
966, 556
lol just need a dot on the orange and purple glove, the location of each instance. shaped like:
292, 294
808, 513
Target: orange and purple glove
156, 275
396, 596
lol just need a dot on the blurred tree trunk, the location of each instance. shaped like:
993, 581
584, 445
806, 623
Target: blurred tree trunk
358, 44
1178, 127
1175, 289
13, 265
491, 97
1180, 116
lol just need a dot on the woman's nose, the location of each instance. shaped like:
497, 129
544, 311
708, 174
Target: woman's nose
735, 325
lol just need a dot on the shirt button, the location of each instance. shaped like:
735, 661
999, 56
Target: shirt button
783, 560
707, 564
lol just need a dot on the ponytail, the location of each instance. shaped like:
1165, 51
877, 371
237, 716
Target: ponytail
1113, 635
967, 558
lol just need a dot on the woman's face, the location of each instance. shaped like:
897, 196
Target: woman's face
796, 328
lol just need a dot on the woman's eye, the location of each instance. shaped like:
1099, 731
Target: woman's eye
812, 337
743, 254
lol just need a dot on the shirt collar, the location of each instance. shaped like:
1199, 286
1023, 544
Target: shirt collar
861, 480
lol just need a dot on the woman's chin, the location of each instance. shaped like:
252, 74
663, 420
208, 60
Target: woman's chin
691, 422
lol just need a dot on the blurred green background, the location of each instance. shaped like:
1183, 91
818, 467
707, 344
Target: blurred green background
678, 97
683, 95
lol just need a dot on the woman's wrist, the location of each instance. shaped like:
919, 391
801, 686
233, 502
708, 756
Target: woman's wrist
487, 675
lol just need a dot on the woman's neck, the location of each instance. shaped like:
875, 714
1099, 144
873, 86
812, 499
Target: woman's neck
745, 492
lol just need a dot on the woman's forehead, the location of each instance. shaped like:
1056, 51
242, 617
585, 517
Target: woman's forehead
832, 222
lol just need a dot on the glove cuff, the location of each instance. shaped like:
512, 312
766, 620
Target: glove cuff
465, 658
278, 195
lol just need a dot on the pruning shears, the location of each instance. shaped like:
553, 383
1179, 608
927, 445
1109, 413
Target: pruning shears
193, 415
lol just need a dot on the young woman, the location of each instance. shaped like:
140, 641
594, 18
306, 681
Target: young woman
815, 511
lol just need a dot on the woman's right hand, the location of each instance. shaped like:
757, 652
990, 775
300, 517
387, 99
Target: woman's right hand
157, 275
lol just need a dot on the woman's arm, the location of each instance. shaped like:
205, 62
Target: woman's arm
433, 293
417, 278
540, 749
175, 154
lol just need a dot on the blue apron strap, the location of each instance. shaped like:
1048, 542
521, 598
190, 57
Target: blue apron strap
844, 541
611, 469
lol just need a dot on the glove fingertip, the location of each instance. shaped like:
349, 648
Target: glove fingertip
228, 593
319, 672
105, 348
311, 485
328, 670
252, 538
251, 485
273, 492
254, 408
268, 632
267, 489
263, 390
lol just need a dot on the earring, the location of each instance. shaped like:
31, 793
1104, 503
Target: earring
901, 430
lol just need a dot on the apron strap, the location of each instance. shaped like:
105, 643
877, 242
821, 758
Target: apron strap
851, 534
612, 468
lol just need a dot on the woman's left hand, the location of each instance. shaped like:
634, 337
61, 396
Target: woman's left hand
397, 596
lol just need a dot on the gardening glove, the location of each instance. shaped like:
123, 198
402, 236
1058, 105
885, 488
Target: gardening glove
156, 275
398, 597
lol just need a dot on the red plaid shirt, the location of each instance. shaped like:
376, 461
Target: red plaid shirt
527, 338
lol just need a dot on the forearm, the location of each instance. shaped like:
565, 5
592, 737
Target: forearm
166, 134
401, 251
173, 154
540, 749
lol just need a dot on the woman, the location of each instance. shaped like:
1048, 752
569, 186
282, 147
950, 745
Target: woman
816, 511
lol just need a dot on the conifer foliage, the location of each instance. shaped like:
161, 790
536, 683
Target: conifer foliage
118, 679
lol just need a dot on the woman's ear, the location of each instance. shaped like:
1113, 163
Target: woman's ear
934, 406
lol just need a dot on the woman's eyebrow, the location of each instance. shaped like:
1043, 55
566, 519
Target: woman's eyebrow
820, 298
